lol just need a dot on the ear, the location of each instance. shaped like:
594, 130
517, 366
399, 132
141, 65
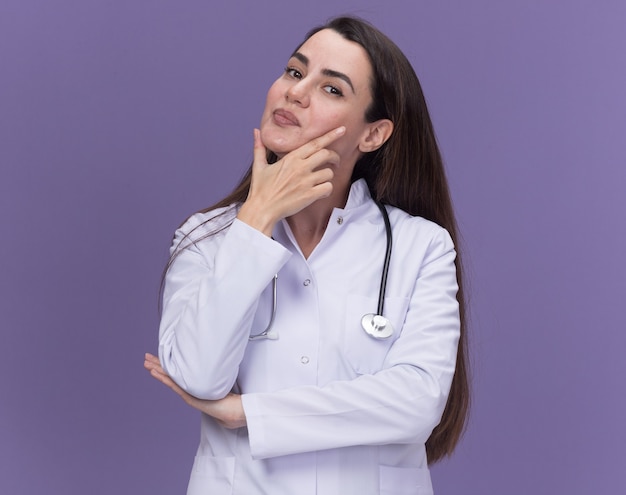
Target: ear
376, 135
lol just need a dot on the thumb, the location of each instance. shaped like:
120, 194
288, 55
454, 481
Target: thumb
260, 153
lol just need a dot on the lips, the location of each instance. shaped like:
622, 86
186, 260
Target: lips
283, 117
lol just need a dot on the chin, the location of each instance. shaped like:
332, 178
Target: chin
278, 143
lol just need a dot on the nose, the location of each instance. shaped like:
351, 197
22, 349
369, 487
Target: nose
298, 94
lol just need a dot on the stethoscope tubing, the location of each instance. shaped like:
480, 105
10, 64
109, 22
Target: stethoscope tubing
375, 325
265, 334
383, 278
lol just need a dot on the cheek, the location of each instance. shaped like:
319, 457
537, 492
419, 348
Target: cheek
273, 95
345, 146
333, 118
354, 125
352, 120
325, 121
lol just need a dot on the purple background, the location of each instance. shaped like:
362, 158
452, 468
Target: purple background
120, 118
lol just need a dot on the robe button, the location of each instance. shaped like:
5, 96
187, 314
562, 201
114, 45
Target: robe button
304, 360
306, 282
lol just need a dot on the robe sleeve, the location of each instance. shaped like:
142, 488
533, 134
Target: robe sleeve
209, 300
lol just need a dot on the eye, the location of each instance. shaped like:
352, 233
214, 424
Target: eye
291, 72
333, 90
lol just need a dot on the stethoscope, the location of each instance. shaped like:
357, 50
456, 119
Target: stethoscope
375, 325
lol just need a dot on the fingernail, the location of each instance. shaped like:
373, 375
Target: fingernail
340, 130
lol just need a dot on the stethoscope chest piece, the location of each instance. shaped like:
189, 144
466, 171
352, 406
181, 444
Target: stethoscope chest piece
377, 326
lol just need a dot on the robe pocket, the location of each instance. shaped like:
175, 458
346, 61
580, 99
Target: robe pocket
212, 476
405, 481
366, 354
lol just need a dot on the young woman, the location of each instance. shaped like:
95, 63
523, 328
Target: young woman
325, 349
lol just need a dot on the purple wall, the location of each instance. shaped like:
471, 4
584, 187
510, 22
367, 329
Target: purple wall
118, 119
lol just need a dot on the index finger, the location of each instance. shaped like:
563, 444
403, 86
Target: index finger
319, 143
259, 149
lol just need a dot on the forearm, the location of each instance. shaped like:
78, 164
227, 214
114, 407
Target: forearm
209, 302
399, 405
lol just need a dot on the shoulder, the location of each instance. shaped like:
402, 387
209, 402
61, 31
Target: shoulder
415, 233
204, 224
405, 224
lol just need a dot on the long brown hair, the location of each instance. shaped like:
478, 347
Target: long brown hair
406, 172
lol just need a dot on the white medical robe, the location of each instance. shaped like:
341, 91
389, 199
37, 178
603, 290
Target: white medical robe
330, 410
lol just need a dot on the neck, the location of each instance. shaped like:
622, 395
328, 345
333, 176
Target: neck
308, 225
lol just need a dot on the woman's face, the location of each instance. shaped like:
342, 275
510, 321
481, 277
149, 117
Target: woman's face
326, 84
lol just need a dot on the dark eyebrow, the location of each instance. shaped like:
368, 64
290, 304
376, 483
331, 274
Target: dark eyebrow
340, 75
301, 58
327, 72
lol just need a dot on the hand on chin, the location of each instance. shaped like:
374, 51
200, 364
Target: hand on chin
281, 143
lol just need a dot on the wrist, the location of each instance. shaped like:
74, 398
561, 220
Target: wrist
257, 218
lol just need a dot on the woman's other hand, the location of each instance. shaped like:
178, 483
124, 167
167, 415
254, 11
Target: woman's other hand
291, 184
228, 411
